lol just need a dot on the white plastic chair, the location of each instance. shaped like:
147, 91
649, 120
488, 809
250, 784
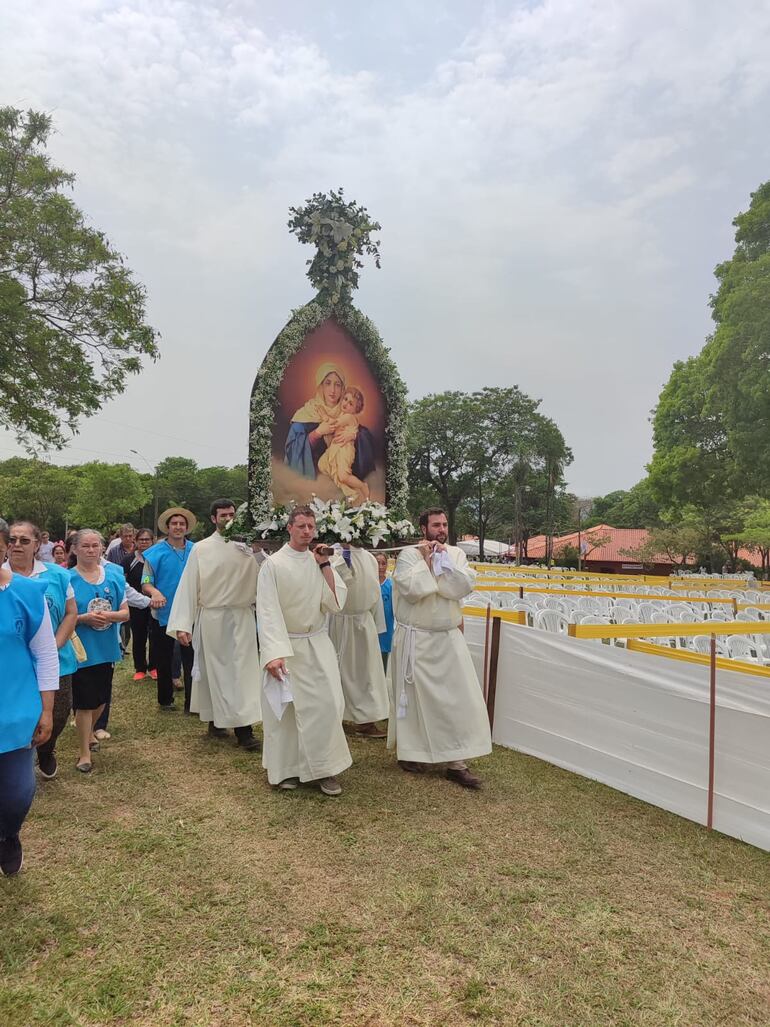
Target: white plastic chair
702, 644
755, 614
587, 604
740, 648
551, 620
688, 617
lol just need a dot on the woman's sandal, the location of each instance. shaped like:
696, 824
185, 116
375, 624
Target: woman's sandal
94, 746
85, 768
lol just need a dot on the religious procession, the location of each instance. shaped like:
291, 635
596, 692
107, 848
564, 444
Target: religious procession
384, 620
298, 640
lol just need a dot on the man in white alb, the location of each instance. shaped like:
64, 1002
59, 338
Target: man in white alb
438, 713
302, 704
213, 609
355, 633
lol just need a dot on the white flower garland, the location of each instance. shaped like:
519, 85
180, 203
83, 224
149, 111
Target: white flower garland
369, 524
264, 397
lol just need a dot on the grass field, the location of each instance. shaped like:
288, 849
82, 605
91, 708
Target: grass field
173, 887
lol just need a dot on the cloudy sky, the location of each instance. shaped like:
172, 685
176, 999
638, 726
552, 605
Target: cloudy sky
556, 182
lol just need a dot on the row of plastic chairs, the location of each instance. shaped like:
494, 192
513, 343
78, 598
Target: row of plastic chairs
645, 611
749, 648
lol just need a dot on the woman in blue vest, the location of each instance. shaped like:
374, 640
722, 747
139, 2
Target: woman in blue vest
29, 677
100, 594
23, 559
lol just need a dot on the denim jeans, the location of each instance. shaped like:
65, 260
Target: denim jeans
17, 789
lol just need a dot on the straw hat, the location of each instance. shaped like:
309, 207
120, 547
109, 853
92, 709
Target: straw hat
164, 518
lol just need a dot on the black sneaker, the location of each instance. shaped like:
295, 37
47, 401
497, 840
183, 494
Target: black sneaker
217, 732
11, 856
47, 765
167, 707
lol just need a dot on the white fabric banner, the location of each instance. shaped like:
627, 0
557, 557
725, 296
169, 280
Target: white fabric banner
637, 722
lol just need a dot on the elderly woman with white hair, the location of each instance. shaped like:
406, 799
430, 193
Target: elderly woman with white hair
100, 594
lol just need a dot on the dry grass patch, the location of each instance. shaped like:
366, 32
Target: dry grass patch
173, 887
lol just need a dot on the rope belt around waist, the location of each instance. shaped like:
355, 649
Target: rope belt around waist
230, 606
307, 634
406, 665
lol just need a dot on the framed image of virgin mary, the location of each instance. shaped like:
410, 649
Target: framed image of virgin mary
328, 434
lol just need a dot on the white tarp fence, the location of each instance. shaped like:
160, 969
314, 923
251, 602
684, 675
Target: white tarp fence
636, 722
491, 548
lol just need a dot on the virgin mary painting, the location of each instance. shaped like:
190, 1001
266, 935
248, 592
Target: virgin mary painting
322, 422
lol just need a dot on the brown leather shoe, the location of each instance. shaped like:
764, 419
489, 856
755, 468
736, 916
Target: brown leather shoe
412, 768
370, 731
464, 778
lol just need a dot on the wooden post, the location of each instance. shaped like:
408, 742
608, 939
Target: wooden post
485, 678
493, 658
712, 731
521, 591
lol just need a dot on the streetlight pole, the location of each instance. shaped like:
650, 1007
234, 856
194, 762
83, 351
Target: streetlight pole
154, 486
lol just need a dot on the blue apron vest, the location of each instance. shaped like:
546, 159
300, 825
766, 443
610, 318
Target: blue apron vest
22, 607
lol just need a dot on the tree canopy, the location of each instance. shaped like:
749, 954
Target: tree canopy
712, 421
72, 317
490, 458
101, 495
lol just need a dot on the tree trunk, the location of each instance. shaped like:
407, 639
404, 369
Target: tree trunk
451, 512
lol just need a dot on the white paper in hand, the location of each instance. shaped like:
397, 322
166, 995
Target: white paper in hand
278, 693
441, 562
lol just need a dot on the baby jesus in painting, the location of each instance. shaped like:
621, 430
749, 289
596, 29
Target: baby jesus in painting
337, 461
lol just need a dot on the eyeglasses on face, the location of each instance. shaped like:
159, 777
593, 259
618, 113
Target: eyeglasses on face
14, 540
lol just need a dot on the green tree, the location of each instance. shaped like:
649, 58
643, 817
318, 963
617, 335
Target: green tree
632, 508
474, 454
738, 353
38, 491
105, 493
444, 445
676, 544
72, 317
691, 464
712, 422
177, 483
755, 532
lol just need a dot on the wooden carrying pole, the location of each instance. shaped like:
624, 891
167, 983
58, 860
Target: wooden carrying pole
712, 731
492, 683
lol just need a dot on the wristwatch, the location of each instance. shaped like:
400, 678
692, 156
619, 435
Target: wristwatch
322, 565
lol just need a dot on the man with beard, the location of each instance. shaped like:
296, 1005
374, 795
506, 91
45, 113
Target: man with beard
213, 610
439, 714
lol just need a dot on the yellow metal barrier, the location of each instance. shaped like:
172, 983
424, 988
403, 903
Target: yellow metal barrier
538, 590
675, 629
510, 616
686, 656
